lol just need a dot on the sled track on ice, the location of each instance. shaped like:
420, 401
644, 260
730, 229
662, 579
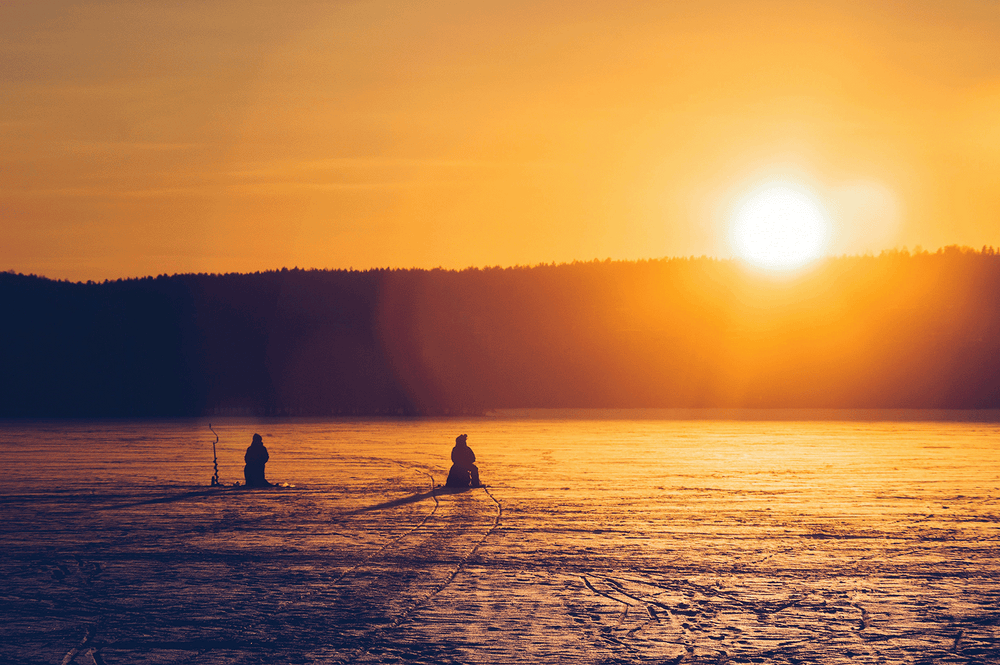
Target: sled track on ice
398, 538
372, 639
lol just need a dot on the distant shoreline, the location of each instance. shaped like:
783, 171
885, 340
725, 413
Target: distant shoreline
741, 414
675, 414
901, 331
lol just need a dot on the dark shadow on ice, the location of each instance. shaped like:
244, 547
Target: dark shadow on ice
173, 498
413, 498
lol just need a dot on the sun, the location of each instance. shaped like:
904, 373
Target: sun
779, 227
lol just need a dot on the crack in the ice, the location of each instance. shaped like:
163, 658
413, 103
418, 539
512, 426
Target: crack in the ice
71, 655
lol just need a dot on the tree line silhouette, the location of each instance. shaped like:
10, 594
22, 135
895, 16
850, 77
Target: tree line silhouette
896, 330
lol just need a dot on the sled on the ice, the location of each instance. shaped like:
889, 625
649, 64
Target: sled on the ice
460, 478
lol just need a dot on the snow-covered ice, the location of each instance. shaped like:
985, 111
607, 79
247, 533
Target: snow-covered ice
599, 540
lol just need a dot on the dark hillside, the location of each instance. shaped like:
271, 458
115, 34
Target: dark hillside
897, 330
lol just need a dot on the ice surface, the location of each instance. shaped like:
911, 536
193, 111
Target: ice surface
598, 541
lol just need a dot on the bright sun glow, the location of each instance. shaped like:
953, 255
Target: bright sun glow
779, 227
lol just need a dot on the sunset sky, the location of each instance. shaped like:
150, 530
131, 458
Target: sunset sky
156, 137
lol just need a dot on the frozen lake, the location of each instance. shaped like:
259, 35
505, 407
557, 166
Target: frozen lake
603, 538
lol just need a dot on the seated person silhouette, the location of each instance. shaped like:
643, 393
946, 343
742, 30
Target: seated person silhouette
256, 458
464, 472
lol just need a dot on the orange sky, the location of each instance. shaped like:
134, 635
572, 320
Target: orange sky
158, 137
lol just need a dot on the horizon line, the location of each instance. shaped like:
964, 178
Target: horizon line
918, 250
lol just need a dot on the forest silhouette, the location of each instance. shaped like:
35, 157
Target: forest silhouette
897, 330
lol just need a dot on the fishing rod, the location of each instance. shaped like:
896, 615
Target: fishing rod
215, 458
